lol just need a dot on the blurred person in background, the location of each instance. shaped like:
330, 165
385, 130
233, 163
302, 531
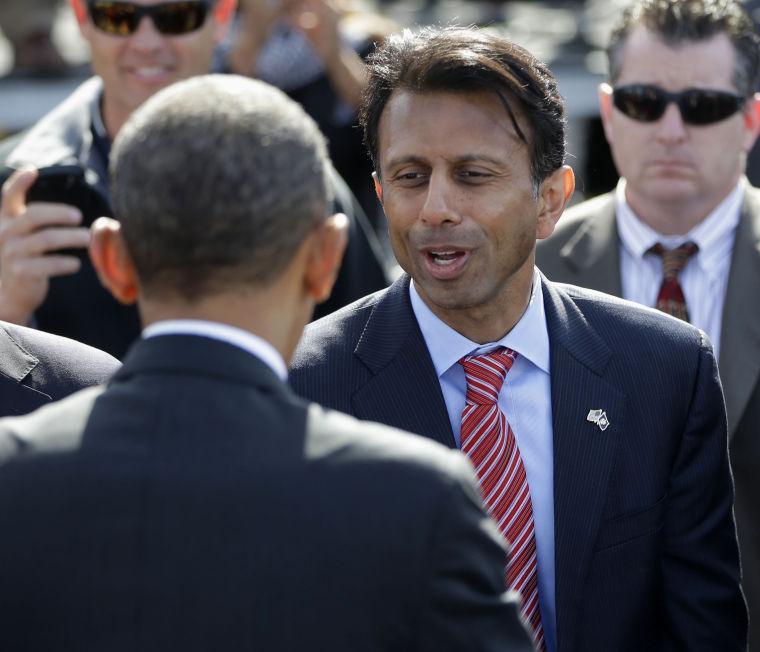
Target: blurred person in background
28, 25
313, 50
682, 230
137, 48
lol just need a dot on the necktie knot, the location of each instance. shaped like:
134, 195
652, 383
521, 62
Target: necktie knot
485, 374
674, 260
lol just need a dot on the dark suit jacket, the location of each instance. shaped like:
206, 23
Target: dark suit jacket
645, 548
585, 251
198, 504
37, 367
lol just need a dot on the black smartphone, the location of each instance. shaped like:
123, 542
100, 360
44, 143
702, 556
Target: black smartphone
63, 184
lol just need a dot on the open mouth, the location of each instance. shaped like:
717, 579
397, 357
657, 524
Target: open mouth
445, 258
446, 263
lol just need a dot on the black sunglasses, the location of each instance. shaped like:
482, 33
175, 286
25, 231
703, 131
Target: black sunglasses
170, 18
698, 106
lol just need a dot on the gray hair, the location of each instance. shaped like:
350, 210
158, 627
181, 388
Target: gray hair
679, 21
216, 181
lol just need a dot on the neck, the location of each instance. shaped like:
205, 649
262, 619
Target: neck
262, 312
676, 217
493, 319
114, 117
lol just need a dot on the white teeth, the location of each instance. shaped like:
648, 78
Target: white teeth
150, 72
444, 257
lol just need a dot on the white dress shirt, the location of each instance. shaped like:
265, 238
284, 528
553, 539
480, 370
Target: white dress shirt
525, 399
238, 337
704, 279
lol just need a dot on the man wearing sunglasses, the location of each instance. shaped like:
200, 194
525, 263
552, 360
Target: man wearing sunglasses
137, 48
682, 230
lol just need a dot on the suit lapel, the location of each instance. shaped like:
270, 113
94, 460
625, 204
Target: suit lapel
583, 453
740, 332
15, 396
404, 390
593, 252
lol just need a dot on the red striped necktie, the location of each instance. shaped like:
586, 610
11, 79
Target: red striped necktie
489, 442
670, 298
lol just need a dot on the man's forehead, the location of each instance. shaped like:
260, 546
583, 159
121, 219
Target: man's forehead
481, 117
647, 57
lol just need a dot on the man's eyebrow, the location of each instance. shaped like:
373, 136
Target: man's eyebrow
463, 158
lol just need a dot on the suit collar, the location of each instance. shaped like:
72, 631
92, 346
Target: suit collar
740, 332
16, 395
200, 356
589, 252
403, 375
583, 453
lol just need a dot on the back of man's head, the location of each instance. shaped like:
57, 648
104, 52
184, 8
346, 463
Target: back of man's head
217, 181
679, 21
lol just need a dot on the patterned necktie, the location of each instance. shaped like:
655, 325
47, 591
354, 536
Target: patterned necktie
489, 442
670, 299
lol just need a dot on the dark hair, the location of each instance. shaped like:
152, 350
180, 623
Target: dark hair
216, 181
677, 21
460, 60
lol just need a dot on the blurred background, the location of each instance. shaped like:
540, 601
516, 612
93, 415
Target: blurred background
569, 35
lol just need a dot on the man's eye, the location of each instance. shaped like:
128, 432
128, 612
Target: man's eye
410, 177
474, 174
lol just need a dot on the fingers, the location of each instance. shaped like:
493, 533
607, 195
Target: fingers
15, 189
42, 267
35, 216
46, 240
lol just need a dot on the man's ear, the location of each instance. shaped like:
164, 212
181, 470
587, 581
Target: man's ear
378, 186
605, 109
329, 242
224, 11
554, 194
112, 261
751, 121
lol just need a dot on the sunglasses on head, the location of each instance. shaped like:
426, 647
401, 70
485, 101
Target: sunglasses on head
698, 106
170, 18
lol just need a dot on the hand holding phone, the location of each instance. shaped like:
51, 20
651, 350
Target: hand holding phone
33, 230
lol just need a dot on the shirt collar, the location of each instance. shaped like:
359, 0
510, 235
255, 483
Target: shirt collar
529, 336
238, 337
713, 235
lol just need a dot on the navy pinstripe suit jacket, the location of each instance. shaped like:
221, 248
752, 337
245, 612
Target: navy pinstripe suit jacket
645, 542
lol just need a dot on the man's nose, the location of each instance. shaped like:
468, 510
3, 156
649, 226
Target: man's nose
440, 201
670, 127
146, 35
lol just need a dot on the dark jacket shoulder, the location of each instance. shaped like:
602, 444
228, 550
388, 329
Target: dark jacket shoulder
54, 365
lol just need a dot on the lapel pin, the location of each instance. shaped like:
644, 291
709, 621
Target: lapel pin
599, 417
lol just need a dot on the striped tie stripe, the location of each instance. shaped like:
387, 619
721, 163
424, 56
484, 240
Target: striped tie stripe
488, 440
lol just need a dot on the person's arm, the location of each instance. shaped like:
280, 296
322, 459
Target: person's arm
319, 20
468, 609
703, 607
257, 19
28, 235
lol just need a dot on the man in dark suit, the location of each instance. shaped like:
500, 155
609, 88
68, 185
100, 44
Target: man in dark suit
682, 181
601, 445
196, 503
37, 367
